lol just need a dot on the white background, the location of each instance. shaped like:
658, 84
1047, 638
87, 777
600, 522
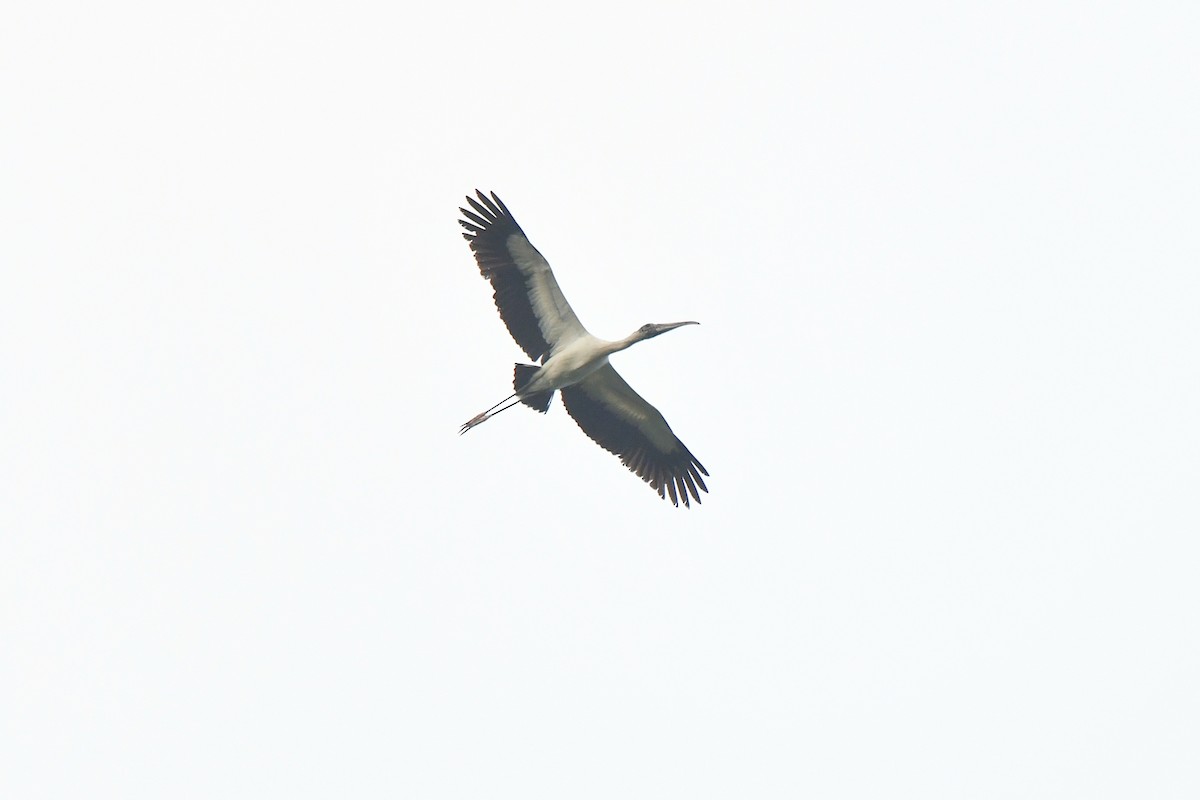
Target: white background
945, 256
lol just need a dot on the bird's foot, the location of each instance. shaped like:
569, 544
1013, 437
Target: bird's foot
471, 423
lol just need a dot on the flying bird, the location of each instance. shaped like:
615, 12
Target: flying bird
573, 361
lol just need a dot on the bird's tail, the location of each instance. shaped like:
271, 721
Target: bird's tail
522, 375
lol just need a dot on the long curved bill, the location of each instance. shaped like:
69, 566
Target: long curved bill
670, 326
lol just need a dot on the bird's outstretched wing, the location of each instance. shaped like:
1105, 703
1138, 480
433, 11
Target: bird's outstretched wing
526, 293
618, 419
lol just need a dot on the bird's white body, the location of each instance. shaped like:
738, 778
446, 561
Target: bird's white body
578, 358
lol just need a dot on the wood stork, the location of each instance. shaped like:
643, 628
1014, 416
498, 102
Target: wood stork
573, 361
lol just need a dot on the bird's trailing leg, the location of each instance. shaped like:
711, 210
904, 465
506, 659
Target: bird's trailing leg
486, 415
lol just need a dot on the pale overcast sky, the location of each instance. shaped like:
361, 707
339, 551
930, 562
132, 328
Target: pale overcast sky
947, 264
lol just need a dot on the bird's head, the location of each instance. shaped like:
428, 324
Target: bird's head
652, 329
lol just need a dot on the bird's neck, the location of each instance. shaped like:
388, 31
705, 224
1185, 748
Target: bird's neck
622, 344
